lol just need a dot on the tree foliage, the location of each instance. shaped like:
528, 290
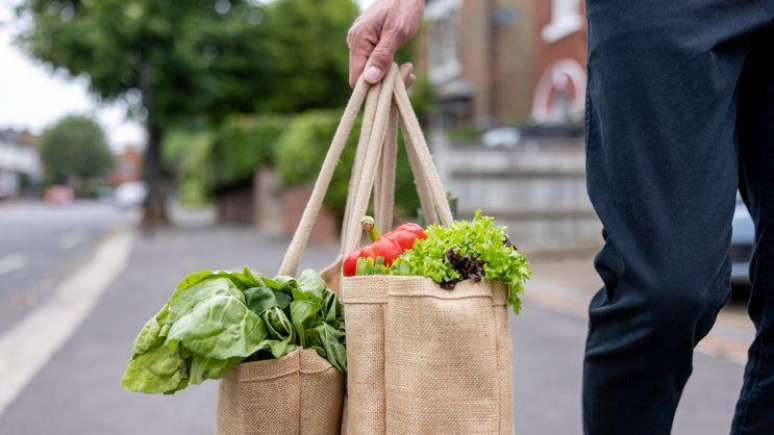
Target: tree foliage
73, 150
195, 61
301, 151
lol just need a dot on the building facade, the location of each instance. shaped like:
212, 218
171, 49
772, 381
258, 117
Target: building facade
560, 87
19, 162
501, 62
479, 57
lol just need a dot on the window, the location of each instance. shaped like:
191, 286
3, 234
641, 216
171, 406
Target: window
565, 19
442, 16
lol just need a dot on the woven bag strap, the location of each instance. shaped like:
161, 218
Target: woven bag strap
368, 160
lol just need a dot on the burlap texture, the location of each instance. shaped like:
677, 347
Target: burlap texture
424, 360
300, 393
366, 297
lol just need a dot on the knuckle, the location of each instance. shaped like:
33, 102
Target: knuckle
381, 55
401, 33
353, 34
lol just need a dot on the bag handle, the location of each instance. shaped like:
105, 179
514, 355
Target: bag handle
295, 250
384, 196
370, 146
416, 144
384, 187
365, 135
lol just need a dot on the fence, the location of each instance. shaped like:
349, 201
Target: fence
537, 189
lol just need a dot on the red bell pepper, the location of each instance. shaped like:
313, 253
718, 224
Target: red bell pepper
388, 246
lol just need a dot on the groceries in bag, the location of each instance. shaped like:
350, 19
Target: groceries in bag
476, 250
215, 320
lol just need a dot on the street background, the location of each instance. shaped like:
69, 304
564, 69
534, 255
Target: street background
224, 119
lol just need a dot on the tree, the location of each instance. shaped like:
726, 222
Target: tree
172, 61
74, 150
309, 63
195, 61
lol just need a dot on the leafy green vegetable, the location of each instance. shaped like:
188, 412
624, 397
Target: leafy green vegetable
305, 314
203, 368
327, 340
451, 254
216, 319
161, 370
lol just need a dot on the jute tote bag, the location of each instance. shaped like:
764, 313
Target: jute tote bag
421, 359
300, 393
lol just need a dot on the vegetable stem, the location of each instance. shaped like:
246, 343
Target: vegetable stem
369, 226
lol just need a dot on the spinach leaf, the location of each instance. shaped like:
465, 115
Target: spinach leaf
259, 299
331, 341
304, 314
310, 286
203, 368
152, 335
161, 370
212, 320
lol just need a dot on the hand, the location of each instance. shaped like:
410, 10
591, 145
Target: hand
377, 34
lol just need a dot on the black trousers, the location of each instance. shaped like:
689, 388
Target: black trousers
680, 115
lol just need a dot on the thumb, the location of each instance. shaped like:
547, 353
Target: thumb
380, 60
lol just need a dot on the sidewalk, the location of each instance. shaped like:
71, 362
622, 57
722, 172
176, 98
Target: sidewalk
78, 391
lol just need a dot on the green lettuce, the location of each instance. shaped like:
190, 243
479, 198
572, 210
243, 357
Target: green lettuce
451, 254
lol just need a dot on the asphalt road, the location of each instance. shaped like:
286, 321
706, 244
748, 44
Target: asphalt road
78, 391
40, 244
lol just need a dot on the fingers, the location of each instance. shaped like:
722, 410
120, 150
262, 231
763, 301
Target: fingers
357, 62
381, 58
407, 74
360, 42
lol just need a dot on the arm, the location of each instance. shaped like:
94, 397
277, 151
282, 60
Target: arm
377, 34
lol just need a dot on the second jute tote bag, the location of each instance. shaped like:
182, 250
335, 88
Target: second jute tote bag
300, 393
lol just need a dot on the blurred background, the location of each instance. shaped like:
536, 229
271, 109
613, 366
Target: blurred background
140, 140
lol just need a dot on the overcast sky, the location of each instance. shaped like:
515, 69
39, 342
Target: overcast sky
32, 96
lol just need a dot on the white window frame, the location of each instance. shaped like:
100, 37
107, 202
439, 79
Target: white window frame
441, 16
566, 19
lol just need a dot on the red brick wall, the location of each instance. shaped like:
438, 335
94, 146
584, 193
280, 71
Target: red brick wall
499, 62
549, 54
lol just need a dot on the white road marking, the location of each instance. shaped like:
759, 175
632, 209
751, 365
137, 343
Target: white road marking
71, 240
28, 346
12, 262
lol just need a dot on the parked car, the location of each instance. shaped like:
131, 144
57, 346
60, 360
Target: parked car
129, 195
742, 240
502, 137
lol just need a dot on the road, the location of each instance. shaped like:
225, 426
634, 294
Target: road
77, 390
40, 244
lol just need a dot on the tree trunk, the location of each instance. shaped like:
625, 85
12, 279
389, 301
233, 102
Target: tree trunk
154, 207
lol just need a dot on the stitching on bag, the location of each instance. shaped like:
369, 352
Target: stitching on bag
300, 399
253, 380
443, 298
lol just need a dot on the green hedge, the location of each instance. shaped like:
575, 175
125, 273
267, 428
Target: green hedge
244, 143
302, 149
186, 153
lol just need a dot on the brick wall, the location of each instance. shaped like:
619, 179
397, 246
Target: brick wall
495, 49
559, 61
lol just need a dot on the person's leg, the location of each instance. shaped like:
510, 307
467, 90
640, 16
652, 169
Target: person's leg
755, 409
662, 176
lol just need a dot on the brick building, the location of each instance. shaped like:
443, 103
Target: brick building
499, 62
479, 56
560, 88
